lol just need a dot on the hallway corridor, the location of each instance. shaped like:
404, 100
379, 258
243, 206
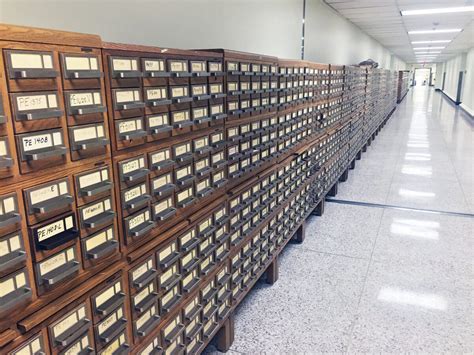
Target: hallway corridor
388, 267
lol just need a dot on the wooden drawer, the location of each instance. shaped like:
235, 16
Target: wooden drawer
7, 159
164, 209
41, 150
158, 126
127, 102
110, 296
144, 299
10, 217
48, 200
84, 107
124, 71
16, 291
99, 246
88, 141
118, 345
12, 252
134, 198
147, 322
28, 70
57, 269
130, 132
138, 224
92, 185
69, 327
37, 344
110, 327
142, 274
81, 70
96, 215
132, 171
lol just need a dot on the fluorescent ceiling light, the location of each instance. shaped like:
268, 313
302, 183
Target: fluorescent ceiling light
423, 48
452, 30
438, 41
443, 10
429, 52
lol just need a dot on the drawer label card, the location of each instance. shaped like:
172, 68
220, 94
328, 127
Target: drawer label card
86, 133
57, 261
48, 192
178, 66
81, 62
130, 125
139, 219
99, 238
110, 320
179, 116
85, 99
12, 283
93, 178
31, 60
158, 120
198, 66
96, 209
69, 321
36, 102
154, 65
41, 141
163, 205
55, 228
124, 64
127, 96
133, 165
134, 192
142, 269
155, 93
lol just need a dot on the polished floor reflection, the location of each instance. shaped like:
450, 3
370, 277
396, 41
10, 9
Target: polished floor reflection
376, 279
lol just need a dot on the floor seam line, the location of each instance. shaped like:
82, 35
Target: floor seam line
334, 254
380, 205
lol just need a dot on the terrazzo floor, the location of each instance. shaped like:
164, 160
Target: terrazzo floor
370, 278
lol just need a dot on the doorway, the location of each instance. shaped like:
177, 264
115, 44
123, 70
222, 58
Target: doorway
422, 76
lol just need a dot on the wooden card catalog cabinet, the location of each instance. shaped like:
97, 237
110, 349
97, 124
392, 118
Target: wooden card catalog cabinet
100, 245
92, 185
147, 322
57, 269
6, 159
15, 290
139, 224
41, 150
36, 110
36, 345
49, 236
81, 70
84, 106
96, 215
12, 252
47, 200
31, 70
70, 327
112, 325
10, 217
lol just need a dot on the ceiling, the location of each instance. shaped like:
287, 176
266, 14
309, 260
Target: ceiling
382, 20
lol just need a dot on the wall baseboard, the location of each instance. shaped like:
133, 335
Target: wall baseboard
449, 97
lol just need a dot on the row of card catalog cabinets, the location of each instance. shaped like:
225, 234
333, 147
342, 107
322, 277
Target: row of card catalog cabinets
103, 323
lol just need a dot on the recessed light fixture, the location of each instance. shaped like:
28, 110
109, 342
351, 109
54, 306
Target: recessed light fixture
422, 48
430, 52
452, 30
443, 10
438, 41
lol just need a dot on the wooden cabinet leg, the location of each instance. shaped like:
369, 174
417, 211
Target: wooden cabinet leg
300, 233
344, 175
272, 271
333, 191
353, 165
319, 210
225, 335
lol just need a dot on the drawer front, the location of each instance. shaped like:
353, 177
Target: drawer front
15, 291
12, 252
10, 217
92, 185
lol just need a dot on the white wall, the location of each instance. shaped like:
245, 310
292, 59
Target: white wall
271, 27
452, 68
330, 38
468, 88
